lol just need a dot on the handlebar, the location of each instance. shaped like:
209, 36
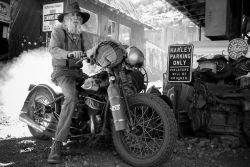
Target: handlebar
72, 54
83, 57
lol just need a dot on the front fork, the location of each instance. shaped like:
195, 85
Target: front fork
117, 106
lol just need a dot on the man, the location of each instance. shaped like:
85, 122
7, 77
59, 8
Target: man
66, 46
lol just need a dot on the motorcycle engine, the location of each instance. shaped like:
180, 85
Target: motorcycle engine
93, 105
91, 84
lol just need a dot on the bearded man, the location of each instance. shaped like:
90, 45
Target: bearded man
67, 41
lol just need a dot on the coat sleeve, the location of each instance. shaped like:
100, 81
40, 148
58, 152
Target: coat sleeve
56, 45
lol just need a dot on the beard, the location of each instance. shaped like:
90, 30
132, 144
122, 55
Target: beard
73, 27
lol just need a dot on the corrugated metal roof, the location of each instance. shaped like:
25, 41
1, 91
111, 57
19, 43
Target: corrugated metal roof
126, 7
123, 8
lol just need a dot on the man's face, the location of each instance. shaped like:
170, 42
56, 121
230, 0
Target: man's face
73, 22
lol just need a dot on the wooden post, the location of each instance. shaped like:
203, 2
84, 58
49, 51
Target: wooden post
47, 40
200, 32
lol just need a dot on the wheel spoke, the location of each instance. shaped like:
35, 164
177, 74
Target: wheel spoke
152, 138
134, 117
148, 134
38, 108
142, 115
155, 129
147, 143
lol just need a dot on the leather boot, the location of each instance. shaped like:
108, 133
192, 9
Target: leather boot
55, 153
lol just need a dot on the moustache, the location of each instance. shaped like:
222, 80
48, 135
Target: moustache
76, 22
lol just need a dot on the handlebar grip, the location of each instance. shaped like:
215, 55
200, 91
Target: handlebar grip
70, 56
84, 55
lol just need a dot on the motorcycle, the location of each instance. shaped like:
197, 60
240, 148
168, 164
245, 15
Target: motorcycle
111, 102
217, 101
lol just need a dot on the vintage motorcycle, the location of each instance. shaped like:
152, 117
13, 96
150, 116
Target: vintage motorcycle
142, 126
217, 101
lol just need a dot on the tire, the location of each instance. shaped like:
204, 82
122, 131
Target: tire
159, 150
39, 98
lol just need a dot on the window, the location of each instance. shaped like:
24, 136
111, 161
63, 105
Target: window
112, 29
92, 24
5, 32
124, 34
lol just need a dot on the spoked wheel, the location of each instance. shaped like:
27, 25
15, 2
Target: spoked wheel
152, 134
41, 112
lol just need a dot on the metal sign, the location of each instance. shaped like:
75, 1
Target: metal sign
4, 12
237, 48
180, 60
50, 14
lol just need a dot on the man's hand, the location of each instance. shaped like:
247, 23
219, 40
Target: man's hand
75, 55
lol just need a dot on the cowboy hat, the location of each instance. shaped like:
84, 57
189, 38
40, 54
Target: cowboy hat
74, 7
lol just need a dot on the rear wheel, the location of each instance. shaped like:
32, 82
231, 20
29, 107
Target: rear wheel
151, 138
42, 114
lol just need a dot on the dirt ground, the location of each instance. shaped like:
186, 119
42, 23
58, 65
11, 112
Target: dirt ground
18, 148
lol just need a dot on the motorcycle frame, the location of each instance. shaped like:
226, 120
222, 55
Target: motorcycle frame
57, 97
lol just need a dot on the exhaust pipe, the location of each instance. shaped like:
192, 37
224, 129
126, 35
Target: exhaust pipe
26, 119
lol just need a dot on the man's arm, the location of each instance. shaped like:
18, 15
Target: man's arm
89, 46
57, 44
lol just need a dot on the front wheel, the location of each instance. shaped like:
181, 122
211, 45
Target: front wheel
152, 135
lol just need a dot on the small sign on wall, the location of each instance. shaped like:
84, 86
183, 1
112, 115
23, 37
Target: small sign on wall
50, 14
237, 47
180, 60
4, 12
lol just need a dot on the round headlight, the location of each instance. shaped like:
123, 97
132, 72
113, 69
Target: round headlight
135, 57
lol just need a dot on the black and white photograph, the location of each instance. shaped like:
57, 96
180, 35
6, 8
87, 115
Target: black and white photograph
124, 83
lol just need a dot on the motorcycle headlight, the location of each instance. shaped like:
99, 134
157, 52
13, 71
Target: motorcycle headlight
135, 57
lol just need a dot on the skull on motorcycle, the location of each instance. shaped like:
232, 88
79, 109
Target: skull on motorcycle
135, 57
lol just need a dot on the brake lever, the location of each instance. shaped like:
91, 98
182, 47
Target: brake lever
83, 57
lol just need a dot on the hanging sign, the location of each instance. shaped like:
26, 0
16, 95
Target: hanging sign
237, 47
180, 60
4, 12
50, 14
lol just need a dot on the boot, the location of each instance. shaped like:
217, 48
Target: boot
55, 153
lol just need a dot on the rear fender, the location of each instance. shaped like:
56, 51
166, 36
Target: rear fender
32, 89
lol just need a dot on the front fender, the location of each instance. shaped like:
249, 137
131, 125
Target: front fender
55, 94
154, 90
167, 100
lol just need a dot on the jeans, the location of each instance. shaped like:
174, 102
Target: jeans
68, 86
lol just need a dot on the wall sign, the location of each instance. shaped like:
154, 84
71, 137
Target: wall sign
180, 60
237, 47
50, 14
4, 12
